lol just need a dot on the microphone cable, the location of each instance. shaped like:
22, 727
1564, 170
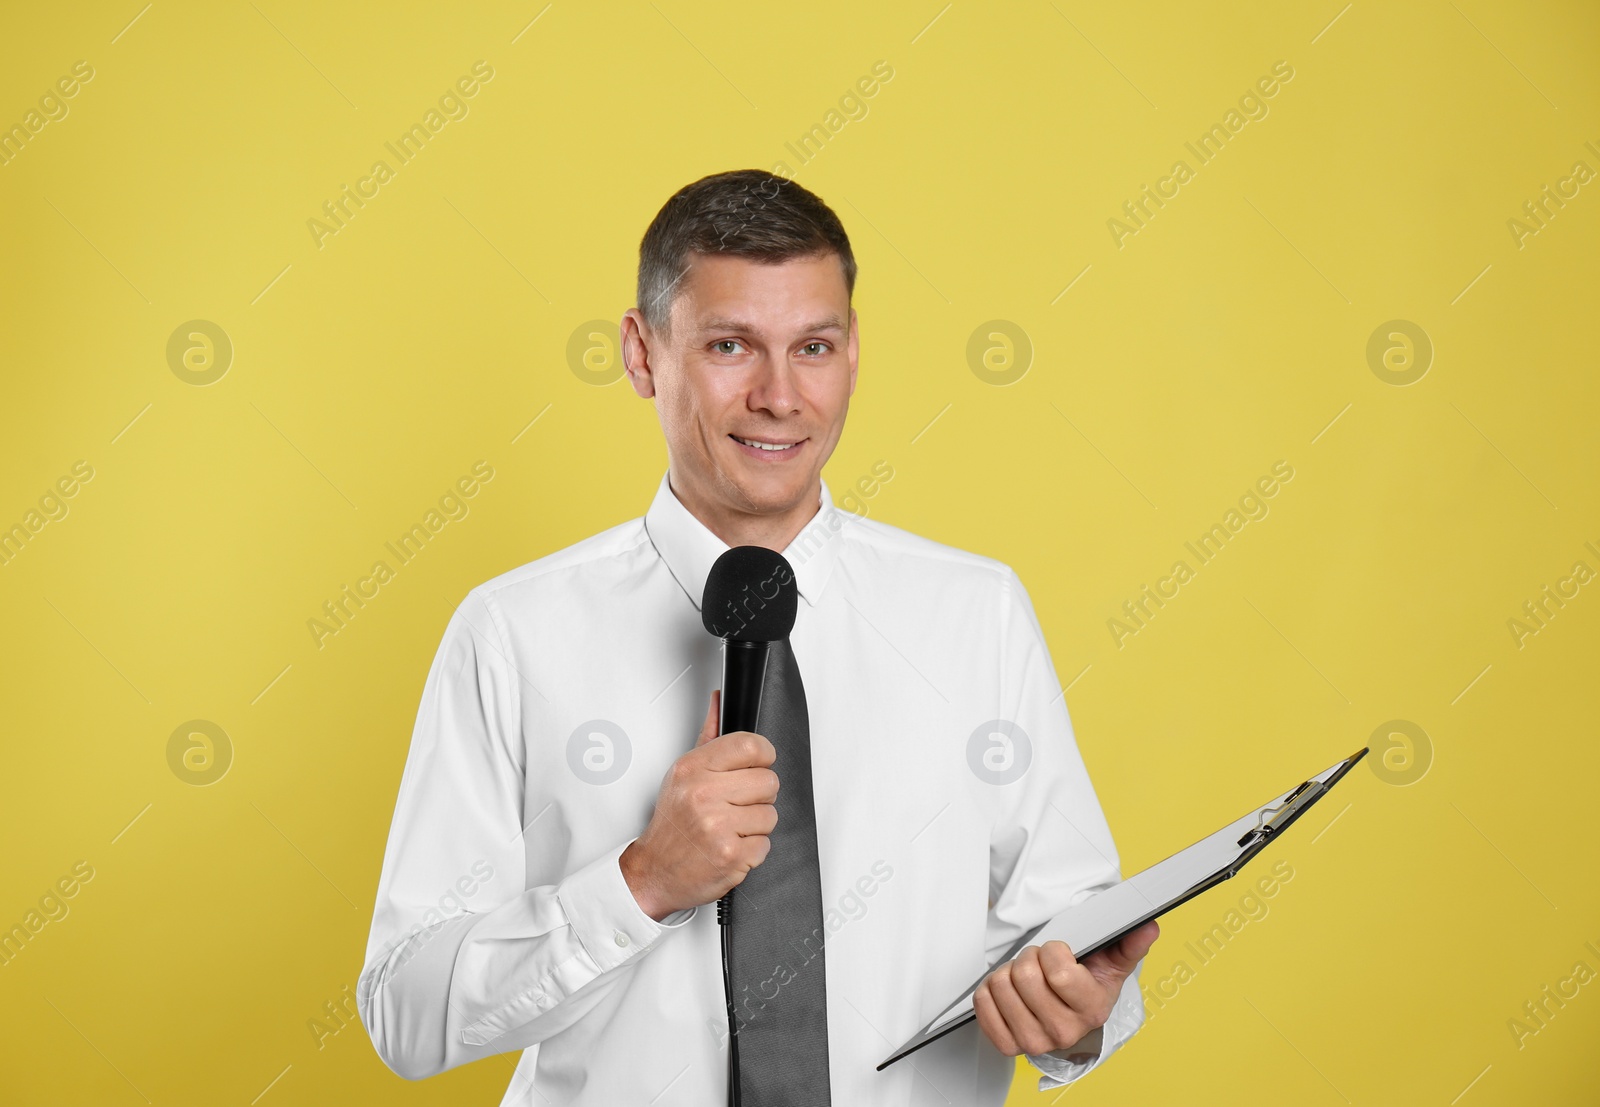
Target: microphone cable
724, 910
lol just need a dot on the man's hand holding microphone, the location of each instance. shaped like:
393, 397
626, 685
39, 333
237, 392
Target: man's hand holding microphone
710, 826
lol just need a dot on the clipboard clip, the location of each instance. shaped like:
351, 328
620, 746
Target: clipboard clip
1272, 819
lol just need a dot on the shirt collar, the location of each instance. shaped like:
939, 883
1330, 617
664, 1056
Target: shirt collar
689, 548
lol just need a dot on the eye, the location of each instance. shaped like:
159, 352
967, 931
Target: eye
717, 346
820, 347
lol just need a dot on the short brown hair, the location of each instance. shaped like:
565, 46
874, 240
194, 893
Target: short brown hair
748, 213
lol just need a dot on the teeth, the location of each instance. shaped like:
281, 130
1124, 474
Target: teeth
762, 445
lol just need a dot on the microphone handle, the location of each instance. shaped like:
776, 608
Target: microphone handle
744, 671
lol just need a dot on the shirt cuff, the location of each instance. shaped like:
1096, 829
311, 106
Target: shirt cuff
602, 912
1063, 1066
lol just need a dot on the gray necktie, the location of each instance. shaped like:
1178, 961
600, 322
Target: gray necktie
780, 1018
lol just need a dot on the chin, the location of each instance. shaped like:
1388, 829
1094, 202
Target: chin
773, 493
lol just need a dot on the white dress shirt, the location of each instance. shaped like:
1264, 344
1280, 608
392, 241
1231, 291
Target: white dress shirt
953, 808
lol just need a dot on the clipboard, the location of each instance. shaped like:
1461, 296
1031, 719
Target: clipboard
1106, 916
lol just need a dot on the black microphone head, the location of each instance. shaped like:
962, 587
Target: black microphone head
750, 596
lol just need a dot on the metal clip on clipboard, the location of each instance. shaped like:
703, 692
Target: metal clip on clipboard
1270, 820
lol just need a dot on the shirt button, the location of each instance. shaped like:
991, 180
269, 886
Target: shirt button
622, 939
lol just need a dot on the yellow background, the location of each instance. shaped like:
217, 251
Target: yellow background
1229, 333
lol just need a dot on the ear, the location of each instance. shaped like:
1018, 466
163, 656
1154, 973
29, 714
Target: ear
853, 350
636, 340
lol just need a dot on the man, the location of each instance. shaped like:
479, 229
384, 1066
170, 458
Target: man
567, 807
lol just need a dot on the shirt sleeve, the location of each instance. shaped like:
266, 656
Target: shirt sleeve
464, 959
1051, 846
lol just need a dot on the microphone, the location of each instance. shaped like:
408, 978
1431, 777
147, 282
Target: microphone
750, 602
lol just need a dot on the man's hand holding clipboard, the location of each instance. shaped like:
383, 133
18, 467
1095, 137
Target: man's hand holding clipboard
1046, 999
1113, 929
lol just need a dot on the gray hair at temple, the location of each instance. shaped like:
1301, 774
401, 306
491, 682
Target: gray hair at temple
748, 213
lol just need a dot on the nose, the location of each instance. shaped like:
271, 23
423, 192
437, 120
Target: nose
775, 389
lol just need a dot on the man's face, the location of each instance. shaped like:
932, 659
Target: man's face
753, 386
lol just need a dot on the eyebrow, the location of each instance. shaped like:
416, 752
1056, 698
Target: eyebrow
831, 323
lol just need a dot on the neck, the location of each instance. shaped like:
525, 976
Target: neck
739, 528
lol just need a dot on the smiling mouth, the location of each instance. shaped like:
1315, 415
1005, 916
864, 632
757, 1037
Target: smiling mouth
769, 447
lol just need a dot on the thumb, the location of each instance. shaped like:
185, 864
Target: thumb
1113, 964
708, 729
